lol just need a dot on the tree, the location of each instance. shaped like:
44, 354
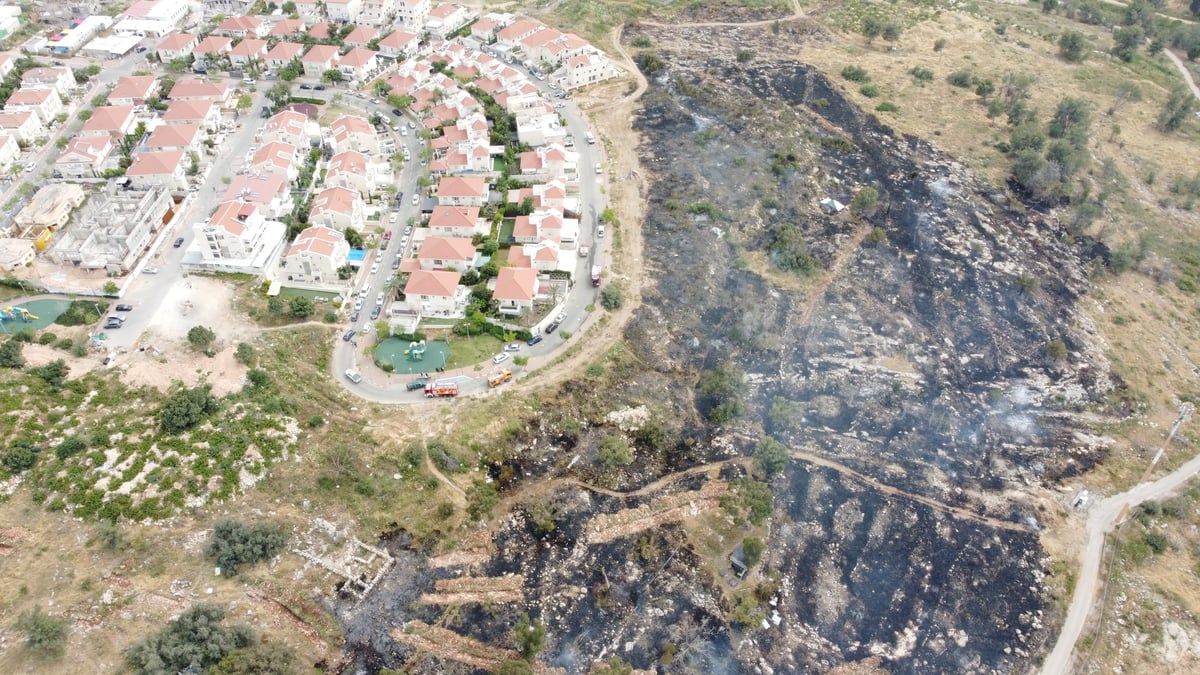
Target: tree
891, 31
615, 451
353, 237
279, 94
752, 550
612, 297
789, 253
332, 76
1071, 121
20, 456
301, 307
872, 27
1073, 46
481, 499
244, 354
1178, 108
275, 305
201, 337
288, 7
186, 407
244, 101
753, 497
111, 288
234, 543
530, 637
262, 658
10, 354
865, 201
1126, 41
770, 456
45, 635
193, 642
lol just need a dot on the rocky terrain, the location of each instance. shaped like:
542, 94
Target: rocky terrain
932, 360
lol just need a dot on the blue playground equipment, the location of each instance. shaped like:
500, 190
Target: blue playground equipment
415, 351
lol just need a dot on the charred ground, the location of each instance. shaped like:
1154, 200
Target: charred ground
916, 349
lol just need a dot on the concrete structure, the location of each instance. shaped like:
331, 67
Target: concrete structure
112, 229
314, 259
16, 253
48, 210
61, 80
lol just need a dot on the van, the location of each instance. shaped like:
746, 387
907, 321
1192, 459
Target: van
600, 232
590, 138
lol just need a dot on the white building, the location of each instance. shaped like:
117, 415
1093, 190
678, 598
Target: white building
236, 238
314, 259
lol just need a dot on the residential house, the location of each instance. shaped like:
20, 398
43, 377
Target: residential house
26, 126
323, 31
399, 44
10, 150
511, 35
315, 258
545, 256
447, 18
377, 13
110, 120
549, 160
515, 290
205, 113
338, 208
456, 221
445, 253
350, 132
551, 47
149, 18
588, 68
551, 194
112, 229
250, 49
240, 27
133, 90
176, 46
462, 191
310, 10
361, 36
358, 64
86, 156
354, 170
412, 13
236, 238
185, 137
278, 158
284, 53
344, 11
8, 63
486, 27
435, 293
287, 28
319, 59
212, 47
44, 103
61, 80
190, 89
545, 224
291, 127
269, 191
165, 169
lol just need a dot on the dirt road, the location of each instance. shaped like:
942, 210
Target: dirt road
1103, 518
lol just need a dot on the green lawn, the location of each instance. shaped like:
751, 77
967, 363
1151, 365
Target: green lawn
506, 230
465, 352
315, 296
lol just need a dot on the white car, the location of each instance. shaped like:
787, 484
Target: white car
500, 358
374, 268
393, 217
379, 299
416, 200
403, 132
599, 169
358, 304
379, 256
353, 376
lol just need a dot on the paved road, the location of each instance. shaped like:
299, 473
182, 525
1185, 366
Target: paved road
1102, 519
380, 387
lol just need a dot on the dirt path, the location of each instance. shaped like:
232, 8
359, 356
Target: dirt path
835, 271
1187, 76
1104, 516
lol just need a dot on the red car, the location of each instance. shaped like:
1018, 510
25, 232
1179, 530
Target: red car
387, 235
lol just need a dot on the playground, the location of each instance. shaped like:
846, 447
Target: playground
409, 358
32, 315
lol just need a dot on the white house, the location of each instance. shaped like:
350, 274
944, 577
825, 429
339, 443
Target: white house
462, 191
315, 258
26, 126
158, 169
236, 238
86, 156
412, 13
338, 208
44, 103
399, 44
515, 290
354, 170
176, 46
445, 253
345, 11
436, 293
456, 221
61, 80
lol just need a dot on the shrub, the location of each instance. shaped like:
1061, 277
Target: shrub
771, 456
301, 307
234, 543
481, 499
53, 373
615, 451
20, 456
921, 74
612, 297
69, 447
752, 550
45, 635
244, 354
1073, 46
530, 637
869, 90
201, 337
961, 78
194, 642
46, 338
262, 658
11, 354
939, 44
887, 106
855, 74
744, 55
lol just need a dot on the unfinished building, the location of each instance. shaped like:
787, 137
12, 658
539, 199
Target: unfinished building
112, 229
48, 211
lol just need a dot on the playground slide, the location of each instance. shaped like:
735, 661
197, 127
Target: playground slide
17, 313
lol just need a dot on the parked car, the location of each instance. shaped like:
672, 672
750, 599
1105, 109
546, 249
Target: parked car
397, 112
514, 347
374, 313
533, 340
411, 125
358, 304
306, 86
562, 316
396, 263
319, 87
416, 200
551, 328
407, 230
349, 335
353, 376
124, 308
374, 268
416, 384
500, 358
353, 317
178, 243
379, 299
150, 270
